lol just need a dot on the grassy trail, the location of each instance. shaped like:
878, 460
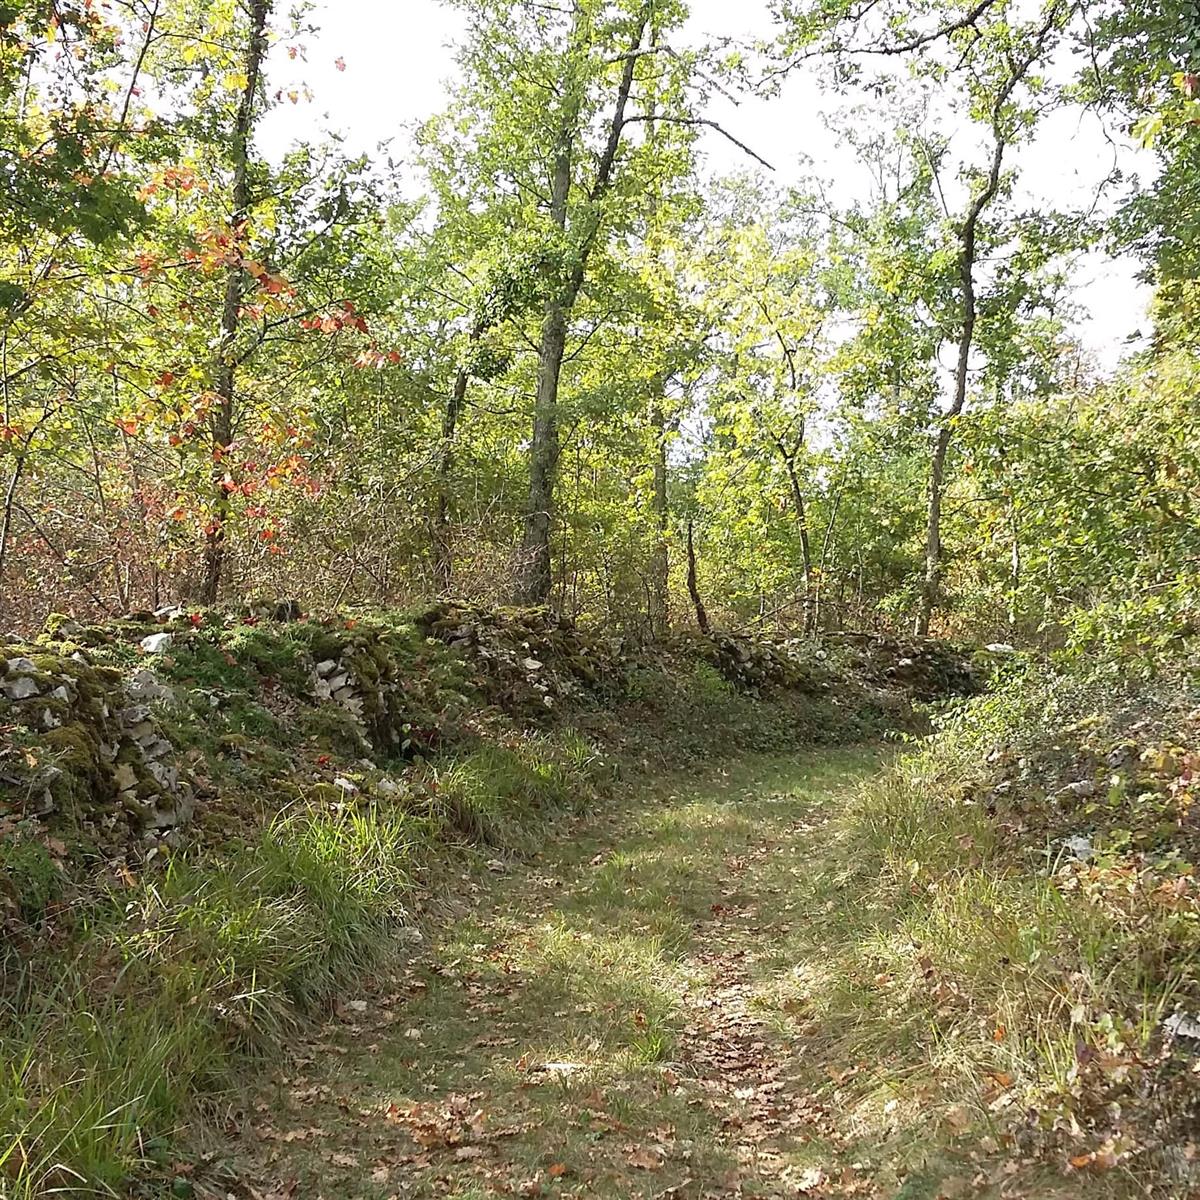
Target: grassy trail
615, 1017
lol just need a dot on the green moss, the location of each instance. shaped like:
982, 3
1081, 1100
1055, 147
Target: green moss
75, 746
329, 728
30, 877
199, 662
275, 651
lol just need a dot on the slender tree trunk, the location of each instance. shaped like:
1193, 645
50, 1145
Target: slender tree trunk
693, 586
660, 564
827, 541
1014, 566
6, 517
535, 577
806, 556
968, 235
932, 581
660, 559
14, 482
443, 556
225, 367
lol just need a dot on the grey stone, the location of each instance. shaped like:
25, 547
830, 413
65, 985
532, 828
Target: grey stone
21, 688
165, 776
158, 643
326, 667
1182, 1025
144, 685
20, 666
1080, 847
62, 692
125, 777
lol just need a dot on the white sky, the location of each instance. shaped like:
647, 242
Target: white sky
398, 59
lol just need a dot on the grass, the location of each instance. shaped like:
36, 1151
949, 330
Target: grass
173, 986
589, 1010
987, 978
777, 977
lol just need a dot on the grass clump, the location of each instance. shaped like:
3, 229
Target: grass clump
182, 977
499, 793
1026, 916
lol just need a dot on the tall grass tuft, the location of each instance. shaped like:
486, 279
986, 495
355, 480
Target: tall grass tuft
182, 978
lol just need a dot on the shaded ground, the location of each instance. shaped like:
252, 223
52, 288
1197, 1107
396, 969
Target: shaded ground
613, 1018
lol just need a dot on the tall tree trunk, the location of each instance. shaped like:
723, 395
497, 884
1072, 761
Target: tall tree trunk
932, 580
660, 558
968, 236
6, 514
225, 365
443, 558
806, 555
660, 563
693, 586
823, 569
1014, 566
535, 576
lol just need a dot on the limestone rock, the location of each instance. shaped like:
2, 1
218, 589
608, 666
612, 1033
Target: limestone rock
143, 686
21, 688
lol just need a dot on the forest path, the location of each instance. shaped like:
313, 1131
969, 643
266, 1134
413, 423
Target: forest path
610, 1018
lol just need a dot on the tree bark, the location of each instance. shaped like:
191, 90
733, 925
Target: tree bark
535, 576
225, 365
968, 248
443, 558
823, 567
660, 563
968, 237
693, 586
806, 555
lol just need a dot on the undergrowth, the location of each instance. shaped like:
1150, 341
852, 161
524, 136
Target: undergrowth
144, 973
173, 983
1025, 916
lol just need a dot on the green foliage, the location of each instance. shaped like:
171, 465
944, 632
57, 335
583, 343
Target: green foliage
32, 880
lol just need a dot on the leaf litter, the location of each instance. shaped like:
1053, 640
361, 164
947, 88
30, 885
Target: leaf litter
449, 1077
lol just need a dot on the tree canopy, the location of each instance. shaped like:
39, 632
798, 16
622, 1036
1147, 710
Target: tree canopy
544, 353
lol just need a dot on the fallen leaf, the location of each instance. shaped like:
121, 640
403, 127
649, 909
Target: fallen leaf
644, 1159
